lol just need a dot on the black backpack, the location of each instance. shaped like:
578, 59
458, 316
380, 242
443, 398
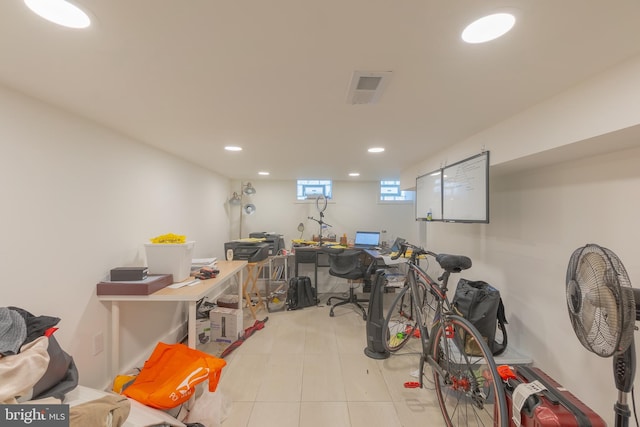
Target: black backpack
481, 304
300, 293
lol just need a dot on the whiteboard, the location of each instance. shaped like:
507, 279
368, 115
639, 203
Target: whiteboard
429, 196
465, 190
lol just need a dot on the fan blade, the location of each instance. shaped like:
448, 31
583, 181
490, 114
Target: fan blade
588, 317
603, 298
591, 268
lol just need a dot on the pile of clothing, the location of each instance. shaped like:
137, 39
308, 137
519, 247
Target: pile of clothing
32, 363
35, 370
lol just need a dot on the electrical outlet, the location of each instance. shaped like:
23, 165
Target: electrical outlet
98, 343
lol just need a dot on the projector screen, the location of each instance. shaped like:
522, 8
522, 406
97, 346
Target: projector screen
429, 196
465, 190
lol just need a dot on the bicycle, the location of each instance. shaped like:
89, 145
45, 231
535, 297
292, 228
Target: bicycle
467, 383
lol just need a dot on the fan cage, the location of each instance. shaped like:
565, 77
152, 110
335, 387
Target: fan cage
600, 300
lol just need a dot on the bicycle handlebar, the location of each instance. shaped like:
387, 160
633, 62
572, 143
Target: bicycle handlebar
416, 251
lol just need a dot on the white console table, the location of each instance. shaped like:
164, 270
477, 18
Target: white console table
191, 294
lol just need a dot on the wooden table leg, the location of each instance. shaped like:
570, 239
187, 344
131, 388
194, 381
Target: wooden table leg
250, 288
245, 287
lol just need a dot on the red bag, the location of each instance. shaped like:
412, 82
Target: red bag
170, 375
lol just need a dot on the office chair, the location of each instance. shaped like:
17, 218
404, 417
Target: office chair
347, 264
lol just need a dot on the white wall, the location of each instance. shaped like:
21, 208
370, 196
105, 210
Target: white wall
78, 200
354, 206
558, 182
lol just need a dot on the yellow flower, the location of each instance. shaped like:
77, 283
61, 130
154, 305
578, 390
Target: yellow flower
169, 238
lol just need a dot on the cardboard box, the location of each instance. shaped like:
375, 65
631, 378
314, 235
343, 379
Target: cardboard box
203, 331
229, 301
170, 258
226, 324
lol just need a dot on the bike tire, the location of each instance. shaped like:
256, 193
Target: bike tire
400, 322
469, 389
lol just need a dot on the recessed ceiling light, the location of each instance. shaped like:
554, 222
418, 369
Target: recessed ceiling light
60, 12
354, 174
263, 173
488, 28
232, 148
376, 150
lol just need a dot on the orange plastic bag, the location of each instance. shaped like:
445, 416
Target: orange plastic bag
170, 375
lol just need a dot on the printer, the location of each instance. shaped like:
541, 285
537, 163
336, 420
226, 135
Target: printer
274, 240
248, 251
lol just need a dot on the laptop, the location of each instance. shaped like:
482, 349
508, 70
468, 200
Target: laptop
367, 240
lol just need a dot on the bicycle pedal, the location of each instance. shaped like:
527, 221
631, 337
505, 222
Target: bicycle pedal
412, 384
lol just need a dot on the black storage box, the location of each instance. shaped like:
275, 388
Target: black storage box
129, 273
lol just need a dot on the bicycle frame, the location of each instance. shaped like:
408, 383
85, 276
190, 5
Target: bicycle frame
442, 310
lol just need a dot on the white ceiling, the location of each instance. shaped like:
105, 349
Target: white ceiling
191, 76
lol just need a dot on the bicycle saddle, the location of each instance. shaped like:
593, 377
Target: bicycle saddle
453, 263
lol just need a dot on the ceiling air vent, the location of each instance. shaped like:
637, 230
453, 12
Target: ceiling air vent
367, 86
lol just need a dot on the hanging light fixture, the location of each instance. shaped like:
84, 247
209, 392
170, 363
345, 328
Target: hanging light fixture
248, 189
235, 199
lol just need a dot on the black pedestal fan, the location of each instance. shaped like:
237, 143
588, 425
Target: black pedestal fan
602, 309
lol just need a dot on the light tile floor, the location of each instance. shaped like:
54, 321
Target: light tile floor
306, 369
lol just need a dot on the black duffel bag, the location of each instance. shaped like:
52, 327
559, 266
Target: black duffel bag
481, 304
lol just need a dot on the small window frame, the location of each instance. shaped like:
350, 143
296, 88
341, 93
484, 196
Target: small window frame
309, 189
390, 192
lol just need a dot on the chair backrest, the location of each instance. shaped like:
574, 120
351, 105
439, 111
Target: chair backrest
347, 262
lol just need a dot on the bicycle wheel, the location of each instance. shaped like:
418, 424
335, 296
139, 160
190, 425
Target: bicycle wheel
400, 323
467, 384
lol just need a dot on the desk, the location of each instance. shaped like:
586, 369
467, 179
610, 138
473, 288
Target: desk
191, 294
319, 258
384, 260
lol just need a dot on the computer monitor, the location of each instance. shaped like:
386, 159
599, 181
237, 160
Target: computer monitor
367, 239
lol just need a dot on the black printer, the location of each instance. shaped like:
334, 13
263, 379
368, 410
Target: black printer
274, 240
248, 251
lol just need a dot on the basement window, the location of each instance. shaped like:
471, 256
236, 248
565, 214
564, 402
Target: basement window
390, 192
310, 189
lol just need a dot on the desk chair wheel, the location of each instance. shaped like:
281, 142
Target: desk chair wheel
351, 301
